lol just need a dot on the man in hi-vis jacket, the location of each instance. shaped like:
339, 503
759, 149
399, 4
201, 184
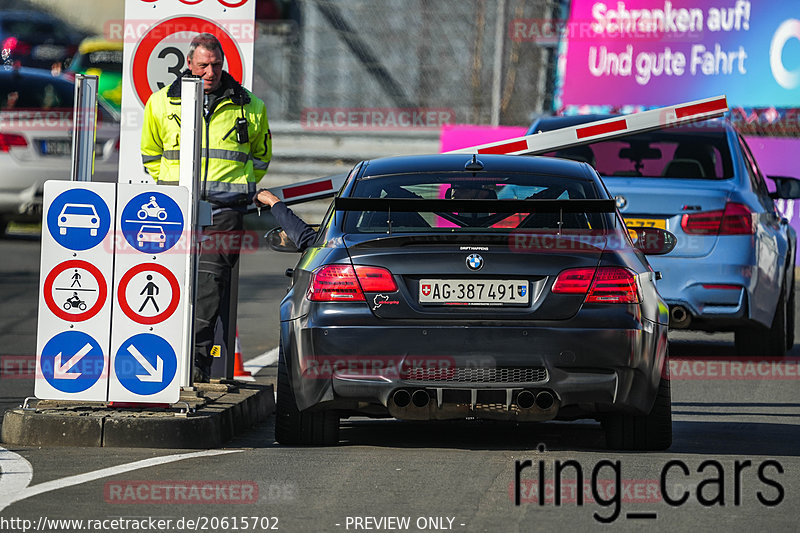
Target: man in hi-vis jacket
236, 150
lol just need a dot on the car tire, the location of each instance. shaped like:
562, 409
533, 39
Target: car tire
295, 427
772, 341
649, 432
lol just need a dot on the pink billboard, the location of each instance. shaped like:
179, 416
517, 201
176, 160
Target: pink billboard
660, 52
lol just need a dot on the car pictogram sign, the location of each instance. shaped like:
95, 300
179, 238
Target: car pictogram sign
152, 222
78, 219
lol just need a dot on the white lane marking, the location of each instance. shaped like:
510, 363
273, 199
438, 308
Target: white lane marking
267, 358
15, 475
16, 490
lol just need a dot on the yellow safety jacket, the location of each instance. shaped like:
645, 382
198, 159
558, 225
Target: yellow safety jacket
229, 170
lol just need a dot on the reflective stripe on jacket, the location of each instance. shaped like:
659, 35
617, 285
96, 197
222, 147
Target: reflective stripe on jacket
231, 169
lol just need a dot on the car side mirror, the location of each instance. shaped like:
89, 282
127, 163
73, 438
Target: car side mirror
653, 241
786, 187
280, 242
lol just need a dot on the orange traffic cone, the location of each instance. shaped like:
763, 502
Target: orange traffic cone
238, 365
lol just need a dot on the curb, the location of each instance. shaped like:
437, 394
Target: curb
214, 422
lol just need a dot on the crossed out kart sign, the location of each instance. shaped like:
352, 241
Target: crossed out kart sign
88, 275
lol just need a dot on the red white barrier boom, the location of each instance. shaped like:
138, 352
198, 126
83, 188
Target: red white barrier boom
604, 129
543, 142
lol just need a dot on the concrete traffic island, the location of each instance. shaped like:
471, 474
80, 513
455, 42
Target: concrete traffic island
204, 418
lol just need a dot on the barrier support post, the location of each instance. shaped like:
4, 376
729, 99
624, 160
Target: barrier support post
189, 177
84, 127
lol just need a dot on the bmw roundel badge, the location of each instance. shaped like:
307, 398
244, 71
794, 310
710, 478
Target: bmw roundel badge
474, 262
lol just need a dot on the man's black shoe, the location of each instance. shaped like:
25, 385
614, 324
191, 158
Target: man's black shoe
201, 376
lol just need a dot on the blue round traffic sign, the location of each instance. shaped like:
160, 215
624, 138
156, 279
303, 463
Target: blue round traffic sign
72, 361
145, 364
152, 222
78, 219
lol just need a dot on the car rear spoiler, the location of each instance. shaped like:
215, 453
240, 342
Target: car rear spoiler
421, 205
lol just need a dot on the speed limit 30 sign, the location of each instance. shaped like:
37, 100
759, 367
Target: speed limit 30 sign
156, 36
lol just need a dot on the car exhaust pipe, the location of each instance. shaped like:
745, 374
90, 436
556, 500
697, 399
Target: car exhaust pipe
526, 399
544, 400
401, 398
420, 398
679, 317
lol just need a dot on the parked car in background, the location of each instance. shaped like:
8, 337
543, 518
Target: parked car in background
36, 39
733, 268
100, 57
425, 297
36, 113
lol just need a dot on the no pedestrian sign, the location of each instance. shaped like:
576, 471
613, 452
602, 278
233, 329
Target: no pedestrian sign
149, 293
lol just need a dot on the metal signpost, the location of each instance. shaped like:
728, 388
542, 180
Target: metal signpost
84, 126
189, 177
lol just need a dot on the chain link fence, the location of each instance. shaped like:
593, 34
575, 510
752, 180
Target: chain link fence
399, 54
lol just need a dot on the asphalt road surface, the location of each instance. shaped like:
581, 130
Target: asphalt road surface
733, 465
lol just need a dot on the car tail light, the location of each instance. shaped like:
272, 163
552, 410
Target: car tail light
375, 279
573, 281
7, 140
12, 45
735, 219
604, 285
344, 283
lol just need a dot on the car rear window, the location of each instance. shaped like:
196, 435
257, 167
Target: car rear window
21, 92
661, 154
456, 186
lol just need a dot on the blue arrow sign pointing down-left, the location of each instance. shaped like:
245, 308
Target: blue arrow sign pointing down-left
72, 361
63, 371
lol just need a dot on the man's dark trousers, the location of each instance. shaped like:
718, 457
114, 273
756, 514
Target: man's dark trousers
219, 254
